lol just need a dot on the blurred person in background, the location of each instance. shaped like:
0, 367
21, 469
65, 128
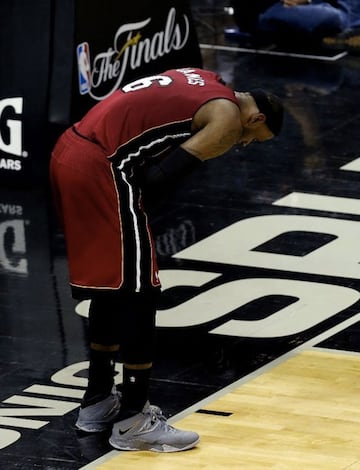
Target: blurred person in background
293, 23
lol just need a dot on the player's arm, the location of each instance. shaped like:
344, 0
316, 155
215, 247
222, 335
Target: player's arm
216, 127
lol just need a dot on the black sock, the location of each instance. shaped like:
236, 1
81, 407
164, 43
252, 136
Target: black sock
134, 391
101, 377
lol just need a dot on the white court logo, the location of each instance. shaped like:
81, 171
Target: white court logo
11, 127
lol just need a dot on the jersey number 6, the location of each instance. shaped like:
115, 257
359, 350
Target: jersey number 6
146, 82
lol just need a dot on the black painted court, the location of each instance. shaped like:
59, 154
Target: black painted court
298, 256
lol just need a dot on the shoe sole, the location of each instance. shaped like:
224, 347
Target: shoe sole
152, 447
92, 430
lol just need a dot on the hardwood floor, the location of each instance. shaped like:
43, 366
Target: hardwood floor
300, 414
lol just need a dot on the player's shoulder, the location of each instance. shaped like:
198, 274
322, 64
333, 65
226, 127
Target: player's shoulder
220, 114
221, 109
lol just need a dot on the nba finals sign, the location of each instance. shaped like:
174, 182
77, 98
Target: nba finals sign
162, 37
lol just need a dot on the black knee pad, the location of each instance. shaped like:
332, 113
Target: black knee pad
104, 321
137, 328
127, 320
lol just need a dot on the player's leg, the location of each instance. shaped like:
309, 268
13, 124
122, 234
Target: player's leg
137, 340
101, 402
141, 426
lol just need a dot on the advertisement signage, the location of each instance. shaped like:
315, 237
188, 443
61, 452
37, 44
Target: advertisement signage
58, 59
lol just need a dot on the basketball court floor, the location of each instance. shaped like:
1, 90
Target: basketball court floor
258, 344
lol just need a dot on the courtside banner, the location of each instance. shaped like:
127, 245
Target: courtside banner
57, 59
116, 42
24, 64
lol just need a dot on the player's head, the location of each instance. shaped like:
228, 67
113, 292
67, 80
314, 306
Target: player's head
261, 116
272, 108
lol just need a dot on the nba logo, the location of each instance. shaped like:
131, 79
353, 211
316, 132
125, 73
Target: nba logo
83, 58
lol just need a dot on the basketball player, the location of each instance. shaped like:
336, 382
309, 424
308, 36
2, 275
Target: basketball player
129, 149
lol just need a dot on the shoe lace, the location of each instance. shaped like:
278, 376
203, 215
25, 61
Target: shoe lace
157, 418
156, 414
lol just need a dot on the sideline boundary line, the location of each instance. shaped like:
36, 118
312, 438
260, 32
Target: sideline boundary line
275, 53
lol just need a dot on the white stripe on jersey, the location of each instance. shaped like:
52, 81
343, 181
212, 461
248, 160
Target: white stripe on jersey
151, 144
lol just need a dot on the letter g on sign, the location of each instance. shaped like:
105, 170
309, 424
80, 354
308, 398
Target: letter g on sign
13, 143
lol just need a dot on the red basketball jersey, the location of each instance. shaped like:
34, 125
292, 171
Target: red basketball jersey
153, 114
109, 241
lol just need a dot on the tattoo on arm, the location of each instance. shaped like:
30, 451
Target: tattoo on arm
210, 147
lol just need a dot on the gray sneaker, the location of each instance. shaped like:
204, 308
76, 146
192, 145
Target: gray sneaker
149, 430
98, 417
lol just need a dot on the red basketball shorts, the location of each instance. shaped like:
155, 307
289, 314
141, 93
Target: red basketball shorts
108, 239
